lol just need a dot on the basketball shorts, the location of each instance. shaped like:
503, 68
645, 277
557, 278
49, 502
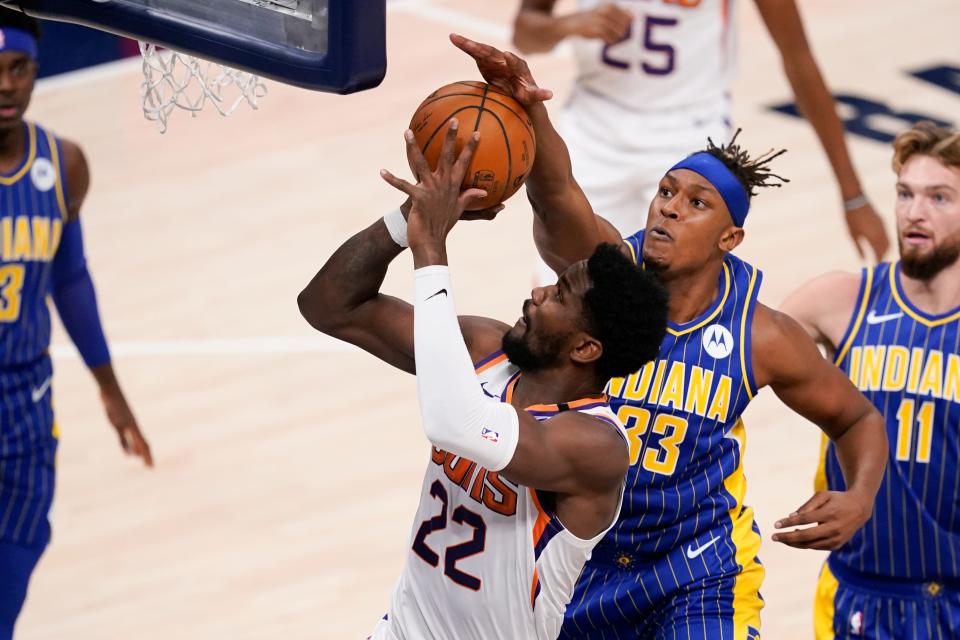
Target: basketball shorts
709, 587
851, 606
28, 447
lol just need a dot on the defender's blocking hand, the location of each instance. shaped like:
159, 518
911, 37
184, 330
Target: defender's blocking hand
503, 70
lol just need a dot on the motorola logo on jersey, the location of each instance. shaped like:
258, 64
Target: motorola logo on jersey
717, 341
43, 175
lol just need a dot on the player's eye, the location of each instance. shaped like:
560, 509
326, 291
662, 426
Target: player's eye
664, 192
902, 194
698, 203
940, 198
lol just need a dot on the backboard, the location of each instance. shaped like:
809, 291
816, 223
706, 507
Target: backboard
325, 45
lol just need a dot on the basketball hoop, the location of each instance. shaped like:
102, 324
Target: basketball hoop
173, 80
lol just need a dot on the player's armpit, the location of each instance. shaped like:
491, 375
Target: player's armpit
824, 306
571, 453
786, 359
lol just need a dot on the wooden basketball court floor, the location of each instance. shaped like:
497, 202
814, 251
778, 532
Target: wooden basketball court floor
288, 465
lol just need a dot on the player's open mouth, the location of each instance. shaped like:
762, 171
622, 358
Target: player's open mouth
916, 237
660, 233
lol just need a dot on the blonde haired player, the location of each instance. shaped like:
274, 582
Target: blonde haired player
653, 83
528, 462
895, 330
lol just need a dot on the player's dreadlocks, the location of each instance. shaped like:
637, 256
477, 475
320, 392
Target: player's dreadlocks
751, 172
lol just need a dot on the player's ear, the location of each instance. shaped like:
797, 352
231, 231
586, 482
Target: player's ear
731, 238
585, 349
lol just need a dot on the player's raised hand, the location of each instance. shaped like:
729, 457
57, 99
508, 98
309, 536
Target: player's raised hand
608, 22
864, 225
503, 70
836, 514
437, 200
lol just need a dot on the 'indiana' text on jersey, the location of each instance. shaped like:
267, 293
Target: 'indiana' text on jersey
32, 213
683, 528
682, 415
907, 363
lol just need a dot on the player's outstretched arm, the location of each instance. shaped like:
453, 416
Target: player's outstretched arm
537, 30
344, 300
76, 302
786, 358
816, 104
565, 227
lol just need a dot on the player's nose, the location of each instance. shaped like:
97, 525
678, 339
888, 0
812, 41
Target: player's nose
538, 295
670, 208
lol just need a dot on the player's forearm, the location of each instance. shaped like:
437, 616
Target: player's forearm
818, 107
539, 32
862, 453
457, 416
551, 181
353, 275
106, 378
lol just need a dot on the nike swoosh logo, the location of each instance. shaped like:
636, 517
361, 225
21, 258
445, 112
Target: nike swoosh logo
41, 391
443, 291
695, 553
873, 318
483, 387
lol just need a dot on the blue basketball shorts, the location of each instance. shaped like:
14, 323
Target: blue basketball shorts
28, 447
851, 606
706, 588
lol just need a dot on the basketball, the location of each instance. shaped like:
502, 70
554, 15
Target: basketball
507, 145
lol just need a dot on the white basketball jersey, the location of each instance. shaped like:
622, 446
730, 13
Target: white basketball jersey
678, 54
486, 559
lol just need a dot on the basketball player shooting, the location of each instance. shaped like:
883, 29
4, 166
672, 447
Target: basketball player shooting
528, 461
682, 561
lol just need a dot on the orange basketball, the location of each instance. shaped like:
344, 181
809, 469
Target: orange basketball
507, 145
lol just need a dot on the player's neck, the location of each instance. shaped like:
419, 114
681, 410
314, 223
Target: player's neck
691, 293
937, 295
13, 144
552, 386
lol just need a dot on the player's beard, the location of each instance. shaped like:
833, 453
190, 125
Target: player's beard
520, 353
924, 266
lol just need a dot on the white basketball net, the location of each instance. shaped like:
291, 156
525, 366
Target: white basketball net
173, 80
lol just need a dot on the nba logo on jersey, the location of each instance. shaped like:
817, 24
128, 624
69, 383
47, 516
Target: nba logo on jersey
856, 623
42, 173
717, 341
490, 434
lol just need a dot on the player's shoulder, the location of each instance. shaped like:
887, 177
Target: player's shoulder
590, 430
596, 444
823, 305
483, 336
73, 156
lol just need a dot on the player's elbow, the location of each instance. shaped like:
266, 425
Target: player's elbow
320, 313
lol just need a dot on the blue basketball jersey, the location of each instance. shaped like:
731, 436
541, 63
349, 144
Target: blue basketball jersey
682, 412
32, 212
907, 363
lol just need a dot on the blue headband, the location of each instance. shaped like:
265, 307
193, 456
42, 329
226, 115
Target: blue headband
18, 40
717, 173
